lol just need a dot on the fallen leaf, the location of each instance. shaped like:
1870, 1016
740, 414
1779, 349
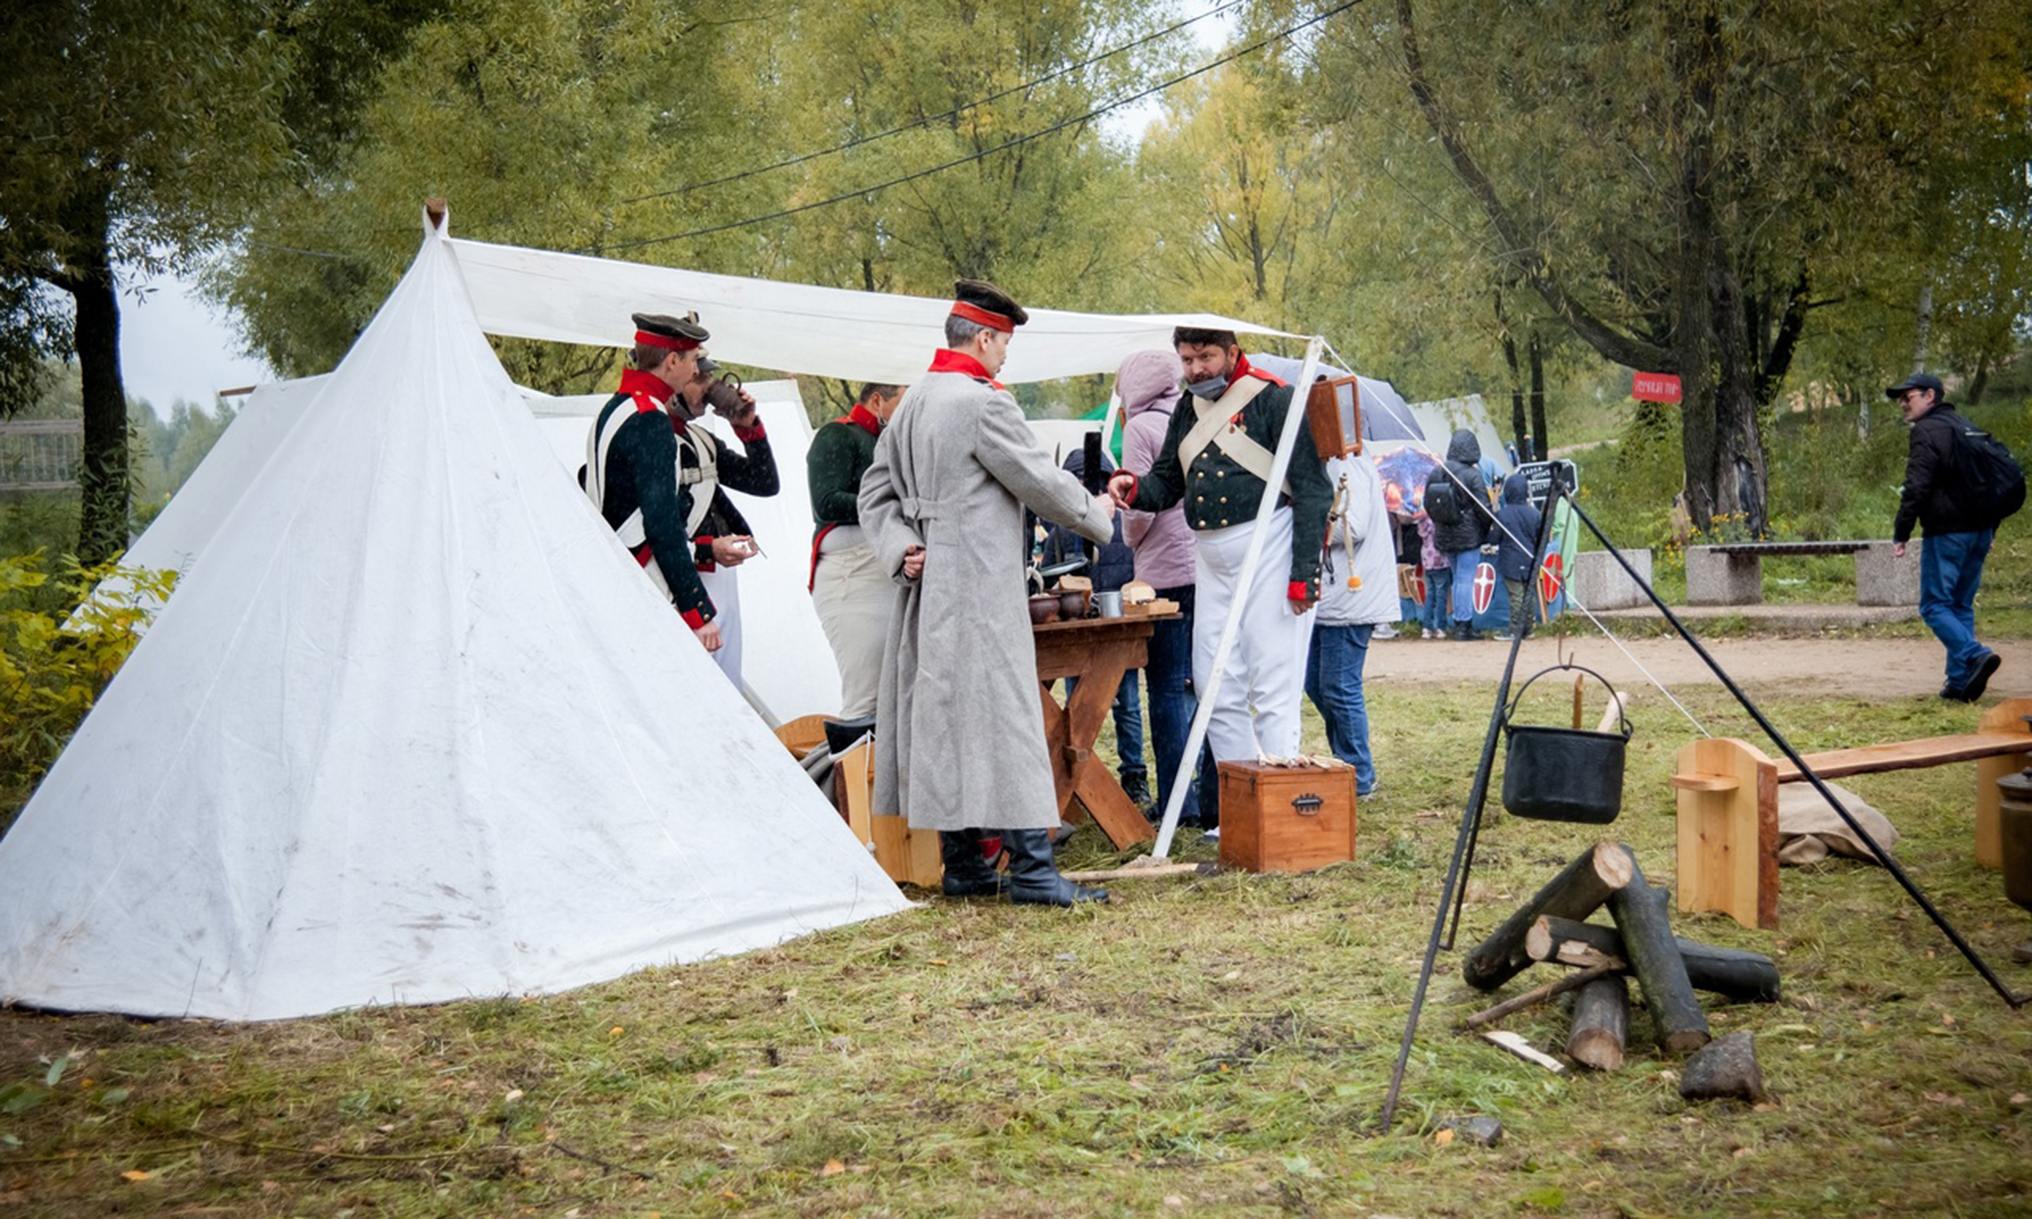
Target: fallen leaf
938, 960
833, 1168
1444, 1137
615, 1031
512, 1095
2019, 1098
1947, 1019
1231, 975
135, 1174
791, 993
1174, 1201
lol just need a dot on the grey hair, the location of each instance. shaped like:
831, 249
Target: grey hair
960, 331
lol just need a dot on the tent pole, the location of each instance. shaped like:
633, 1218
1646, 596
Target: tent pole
1294, 418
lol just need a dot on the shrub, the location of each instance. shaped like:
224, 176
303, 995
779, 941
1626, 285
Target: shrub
52, 670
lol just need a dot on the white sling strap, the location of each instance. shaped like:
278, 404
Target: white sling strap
1212, 425
599, 443
703, 479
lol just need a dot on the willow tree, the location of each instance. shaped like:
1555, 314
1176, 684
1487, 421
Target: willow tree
1669, 180
132, 133
948, 96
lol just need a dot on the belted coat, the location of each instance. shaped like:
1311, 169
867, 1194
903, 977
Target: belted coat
959, 735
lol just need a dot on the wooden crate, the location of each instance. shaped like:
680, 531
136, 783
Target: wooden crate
910, 857
1286, 819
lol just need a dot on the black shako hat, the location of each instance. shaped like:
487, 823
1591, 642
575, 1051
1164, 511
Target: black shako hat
1918, 380
671, 333
977, 300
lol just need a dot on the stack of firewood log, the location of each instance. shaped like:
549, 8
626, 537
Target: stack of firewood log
1551, 928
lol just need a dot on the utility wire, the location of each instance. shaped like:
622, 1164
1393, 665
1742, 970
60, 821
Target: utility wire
1018, 141
936, 118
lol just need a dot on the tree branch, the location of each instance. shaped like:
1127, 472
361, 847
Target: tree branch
1524, 254
1779, 359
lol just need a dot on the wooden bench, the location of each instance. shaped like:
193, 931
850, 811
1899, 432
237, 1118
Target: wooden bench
1732, 573
1727, 796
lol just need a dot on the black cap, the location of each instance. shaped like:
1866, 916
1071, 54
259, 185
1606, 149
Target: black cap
1918, 380
982, 295
707, 364
684, 330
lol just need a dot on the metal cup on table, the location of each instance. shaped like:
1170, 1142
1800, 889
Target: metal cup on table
1109, 604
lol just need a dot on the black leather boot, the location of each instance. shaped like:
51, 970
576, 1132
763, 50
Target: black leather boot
967, 873
1034, 879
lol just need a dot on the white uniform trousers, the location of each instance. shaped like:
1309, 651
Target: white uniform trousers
1256, 709
723, 585
855, 601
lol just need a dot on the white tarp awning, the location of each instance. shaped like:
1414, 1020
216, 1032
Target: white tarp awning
794, 328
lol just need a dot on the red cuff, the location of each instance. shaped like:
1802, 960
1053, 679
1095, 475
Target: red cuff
749, 435
694, 619
1297, 590
1135, 484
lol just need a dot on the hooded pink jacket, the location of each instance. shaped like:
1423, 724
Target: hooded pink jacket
1148, 383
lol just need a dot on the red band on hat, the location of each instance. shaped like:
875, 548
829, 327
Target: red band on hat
974, 313
644, 338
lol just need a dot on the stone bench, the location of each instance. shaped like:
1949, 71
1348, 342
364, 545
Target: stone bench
1732, 573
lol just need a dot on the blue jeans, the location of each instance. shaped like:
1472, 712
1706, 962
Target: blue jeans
1172, 703
1464, 565
1333, 681
1950, 571
1437, 581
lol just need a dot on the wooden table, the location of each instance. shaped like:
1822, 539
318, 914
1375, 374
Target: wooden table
1098, 652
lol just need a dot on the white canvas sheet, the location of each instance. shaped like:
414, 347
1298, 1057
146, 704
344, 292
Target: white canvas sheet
410, 732
794, 328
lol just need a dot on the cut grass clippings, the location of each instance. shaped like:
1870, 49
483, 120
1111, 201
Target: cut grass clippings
1216, 1045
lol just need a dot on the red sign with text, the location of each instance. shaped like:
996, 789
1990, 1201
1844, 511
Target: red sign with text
1654, 387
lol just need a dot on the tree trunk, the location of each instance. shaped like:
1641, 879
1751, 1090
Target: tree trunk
1640, 911
102, 473
1601, 1023
1718, 366
1747, 977
1520, 427
1578, 891
1541, 437
1923, 324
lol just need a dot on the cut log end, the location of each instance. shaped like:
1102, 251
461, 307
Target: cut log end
1726, 1068
1601, 1022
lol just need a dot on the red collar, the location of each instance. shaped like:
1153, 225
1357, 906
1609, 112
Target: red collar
1245, 369
635, 381
948, 360
863, 418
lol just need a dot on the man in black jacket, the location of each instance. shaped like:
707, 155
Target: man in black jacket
1951, 558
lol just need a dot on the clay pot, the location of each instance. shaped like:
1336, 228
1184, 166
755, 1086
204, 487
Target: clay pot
1072, 604
1043, 609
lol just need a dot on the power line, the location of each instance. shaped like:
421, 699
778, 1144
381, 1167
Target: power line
1020, 140
936, 118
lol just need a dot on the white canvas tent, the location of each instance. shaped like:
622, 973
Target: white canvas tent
414, 730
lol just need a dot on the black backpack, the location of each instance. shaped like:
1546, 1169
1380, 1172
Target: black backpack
1442, 499
1991, 482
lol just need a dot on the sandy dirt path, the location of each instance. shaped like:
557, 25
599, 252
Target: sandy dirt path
1892, 668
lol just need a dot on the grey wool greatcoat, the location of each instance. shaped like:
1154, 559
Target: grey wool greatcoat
959, 729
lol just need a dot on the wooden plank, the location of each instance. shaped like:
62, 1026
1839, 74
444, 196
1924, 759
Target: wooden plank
1907, 755
1705, 783
1132, 873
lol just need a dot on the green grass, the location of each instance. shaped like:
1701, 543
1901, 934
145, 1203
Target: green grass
1215, 1045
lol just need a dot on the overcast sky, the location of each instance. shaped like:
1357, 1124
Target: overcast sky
175, 345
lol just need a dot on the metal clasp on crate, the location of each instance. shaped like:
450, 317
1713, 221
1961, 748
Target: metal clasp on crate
1308, 805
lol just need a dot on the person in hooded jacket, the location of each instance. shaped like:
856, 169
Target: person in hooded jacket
1357, 593
1517, 524
1147, 385
1461, 534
